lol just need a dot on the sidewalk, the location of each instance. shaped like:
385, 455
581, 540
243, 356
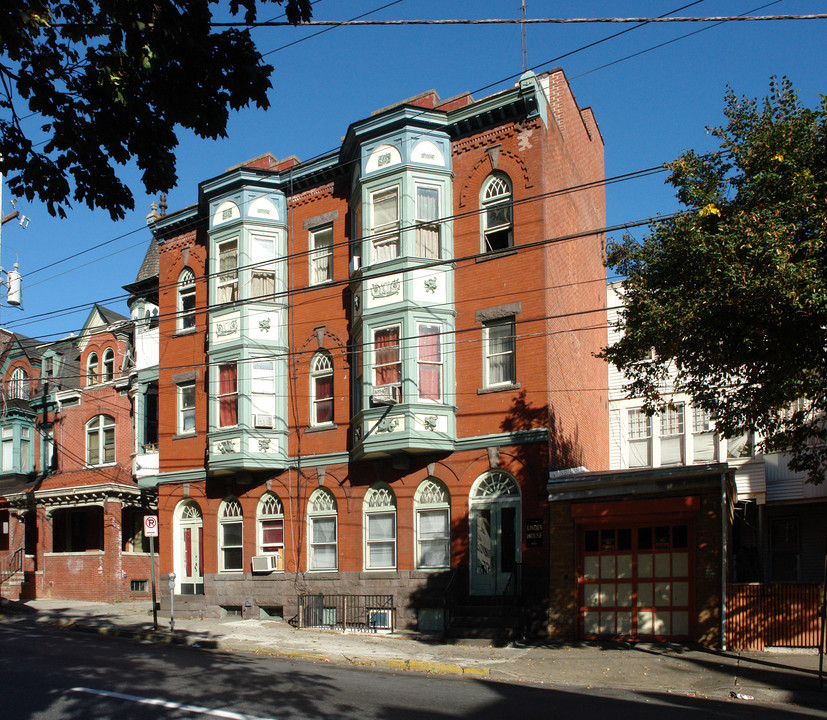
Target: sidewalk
755, 677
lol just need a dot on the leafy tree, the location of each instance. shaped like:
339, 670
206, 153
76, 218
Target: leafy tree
732, 293
113, 79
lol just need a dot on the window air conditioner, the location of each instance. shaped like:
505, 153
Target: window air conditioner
387, 394
354, 264
263, 421
265, 563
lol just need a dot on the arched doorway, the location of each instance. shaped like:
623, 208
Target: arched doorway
496, 540
188, 545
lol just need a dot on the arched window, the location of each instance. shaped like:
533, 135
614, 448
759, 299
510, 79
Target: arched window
432, 509
92, 377
108, 365
321, 382
495, 203
19, 384
231, 536
186, 299
380, 528
270, 519
322, 528
100, 440
188, 545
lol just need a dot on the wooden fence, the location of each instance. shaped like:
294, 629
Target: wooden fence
780, 615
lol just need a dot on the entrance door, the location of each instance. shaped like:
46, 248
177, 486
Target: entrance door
495, 536
190, 542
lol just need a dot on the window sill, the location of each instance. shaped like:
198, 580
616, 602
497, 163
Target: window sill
99, 465
323, 571
498, 388
184, 436
185, 331
494, 254
321, 428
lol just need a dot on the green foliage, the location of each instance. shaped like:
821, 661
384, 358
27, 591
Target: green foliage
113, 79
732, 294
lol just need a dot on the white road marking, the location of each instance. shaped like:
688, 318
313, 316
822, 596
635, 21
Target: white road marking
229, 715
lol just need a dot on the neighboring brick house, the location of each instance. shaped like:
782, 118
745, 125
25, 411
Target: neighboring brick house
372, 360
76, 512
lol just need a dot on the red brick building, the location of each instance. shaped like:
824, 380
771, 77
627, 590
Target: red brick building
72, 512
370, 362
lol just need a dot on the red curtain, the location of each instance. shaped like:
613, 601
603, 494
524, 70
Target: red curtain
429, 367
387, 356
228, 395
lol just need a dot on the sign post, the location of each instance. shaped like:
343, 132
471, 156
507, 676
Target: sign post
151, 531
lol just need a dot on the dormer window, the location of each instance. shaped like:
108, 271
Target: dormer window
92, 377
108, 365
19, 385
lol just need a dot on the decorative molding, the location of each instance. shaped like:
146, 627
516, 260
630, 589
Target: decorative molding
323, 219
385, 289
186, 376
498, 311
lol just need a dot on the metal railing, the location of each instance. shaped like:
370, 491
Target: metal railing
352, 613
11, 565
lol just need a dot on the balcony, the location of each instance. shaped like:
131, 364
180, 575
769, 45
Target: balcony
145, 463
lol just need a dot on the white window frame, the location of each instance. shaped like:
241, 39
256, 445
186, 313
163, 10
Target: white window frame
19, 384
263, 389
497, 197
385, 237
108, 365
186, 300
321, 367
673, 434
98, 429
639, 433
186, 409
219, 395
379, 505
492, 353
397, 362
25, 445
263, 270
427, 227
7, 440
432, 500
270, 510
322, 508
703, 433
226, 271
92, 370
321, 254
429, 363
230, 514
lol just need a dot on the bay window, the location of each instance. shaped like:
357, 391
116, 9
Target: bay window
429, 363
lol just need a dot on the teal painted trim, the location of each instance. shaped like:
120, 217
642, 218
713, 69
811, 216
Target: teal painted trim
520, 437
147, 376
194, 475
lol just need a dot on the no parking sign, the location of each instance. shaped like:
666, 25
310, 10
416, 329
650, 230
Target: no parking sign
150, 526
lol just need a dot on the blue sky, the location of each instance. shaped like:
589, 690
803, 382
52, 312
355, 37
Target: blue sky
649, 108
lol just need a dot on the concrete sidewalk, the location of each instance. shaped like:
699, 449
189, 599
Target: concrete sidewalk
736, 676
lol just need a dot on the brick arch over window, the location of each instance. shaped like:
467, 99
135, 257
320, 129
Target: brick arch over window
507, 163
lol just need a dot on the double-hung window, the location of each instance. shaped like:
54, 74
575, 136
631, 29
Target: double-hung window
499, 346
430, 363
92, 370
230, 536
321, 380
227, 283
640, 438
385, 209
321, 255
100, 440
186, 408
271, 528
263, 394
19, 384
704, 444
433, 525
227, 394
323, 531
427, 227
380, 528
497, 227
263, 252
8, 448
672, 435
387, 366
186, 299
108, 365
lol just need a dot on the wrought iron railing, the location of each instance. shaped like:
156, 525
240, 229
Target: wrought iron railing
11, 565
352, 613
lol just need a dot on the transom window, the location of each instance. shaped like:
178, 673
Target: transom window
497, 227
385, 208
322, 522
100, 440
499, 343
321, 255
321, 379
271, 528
380, 528
427, 226
227, 285
433, 525
230, 536
186, 299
